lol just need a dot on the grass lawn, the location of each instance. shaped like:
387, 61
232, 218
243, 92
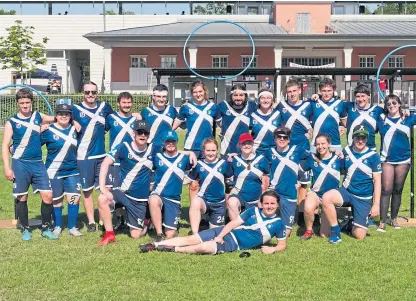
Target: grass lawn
380, 268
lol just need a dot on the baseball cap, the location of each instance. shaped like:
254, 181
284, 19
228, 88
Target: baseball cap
63, 108
245, 137
360, 130
170, 136
282, 132
141, 125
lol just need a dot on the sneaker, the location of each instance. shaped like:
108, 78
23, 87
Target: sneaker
120, 226
307, 235
371, 223
162, 248
144, 248
108, 238
395, 224
92, 227
160, 237
49, 234
334, 239
381, 227
57, 231
74, 232
346, 225
26, 235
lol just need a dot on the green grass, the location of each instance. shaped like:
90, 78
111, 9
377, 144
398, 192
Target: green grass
379, 268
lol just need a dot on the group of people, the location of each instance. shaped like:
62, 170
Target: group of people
257, 177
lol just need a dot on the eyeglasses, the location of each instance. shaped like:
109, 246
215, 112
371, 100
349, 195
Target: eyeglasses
282, 137
90, 92
142, 132
391, 103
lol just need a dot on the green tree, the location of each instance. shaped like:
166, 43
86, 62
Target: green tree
396, 9
19, 52
5, 12
112, 12
211, 9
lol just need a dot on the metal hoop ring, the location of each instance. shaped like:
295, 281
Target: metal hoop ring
32, 89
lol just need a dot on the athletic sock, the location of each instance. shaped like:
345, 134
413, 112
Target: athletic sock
335, 231
57, 216
23, 214
73, 210
46, 211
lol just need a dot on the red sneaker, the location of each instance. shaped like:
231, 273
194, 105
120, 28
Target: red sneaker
108, 238
307, 235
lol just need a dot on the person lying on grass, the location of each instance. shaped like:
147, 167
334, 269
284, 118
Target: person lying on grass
254, 227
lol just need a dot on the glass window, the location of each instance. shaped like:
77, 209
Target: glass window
168, 61
252, 10
54, 53
366, 62
220, 62
138, 62
246, 60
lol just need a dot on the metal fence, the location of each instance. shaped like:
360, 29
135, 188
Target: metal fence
8, 105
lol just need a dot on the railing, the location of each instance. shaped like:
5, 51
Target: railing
8, 105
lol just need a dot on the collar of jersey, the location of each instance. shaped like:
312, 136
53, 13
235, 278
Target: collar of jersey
134, 148
251, 157
88, 108
267, 216
216, 161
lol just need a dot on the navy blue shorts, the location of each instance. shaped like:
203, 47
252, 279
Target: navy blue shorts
304, 177
216, 213
244, 205
89, 171
171, 212
28, 173
135, 209
113, 176
361, 208
229, 245
288, 211
66, 186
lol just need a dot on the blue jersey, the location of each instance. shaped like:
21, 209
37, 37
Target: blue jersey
26, 137
211, 178
395, 134
367, 117
136, 169
248, 176
297, 119
199, 121
61, 160
120, 129
169, 175
258, 229
326, 117
262, 128
159, 121
326, 173
91, 139
233, 124
284, 170
359, 169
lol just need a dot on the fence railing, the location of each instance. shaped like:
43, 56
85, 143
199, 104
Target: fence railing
8, 104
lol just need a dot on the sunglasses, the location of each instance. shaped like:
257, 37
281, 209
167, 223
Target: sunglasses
90, 92
142, 132
282, 137
391, 103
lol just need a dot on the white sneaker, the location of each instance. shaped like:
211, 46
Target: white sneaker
57, 231
74, 232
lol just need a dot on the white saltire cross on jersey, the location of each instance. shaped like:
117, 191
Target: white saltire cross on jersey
212, 173
267, 127
389, 134
327, 169
202, 115
30, 126
297, 115
329, 110
284, 161
356, 164
125, 129
243, 175
172, 168
364, 116
159, 118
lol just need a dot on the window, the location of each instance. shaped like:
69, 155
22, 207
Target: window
396, 61
138, 61
366, 62
252, 10
54, 69
54, 53
168, 61
245, 60
303, 23
219, 61
308, 61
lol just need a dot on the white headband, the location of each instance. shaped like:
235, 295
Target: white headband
265, 93
233, 91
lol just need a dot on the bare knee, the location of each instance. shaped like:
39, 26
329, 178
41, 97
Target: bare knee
136, 234
171, 234
359, 233
46, 197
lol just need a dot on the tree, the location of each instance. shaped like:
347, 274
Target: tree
5, 12
396, 9
211, 9
19, 52
113, 13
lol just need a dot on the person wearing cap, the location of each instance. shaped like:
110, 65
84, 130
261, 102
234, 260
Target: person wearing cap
284, 161
250, 172
170, 167
264, 121
119, 125
395, 152
60, 139
136, 166
361, 188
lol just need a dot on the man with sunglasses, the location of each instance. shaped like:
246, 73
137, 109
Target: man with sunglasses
91, 115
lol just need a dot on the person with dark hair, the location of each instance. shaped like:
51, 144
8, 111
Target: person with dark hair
91, 115
61, 165
360, 190
284, 161
253, 228
326, 173
23, 130
395, 153
234, 118
264, 121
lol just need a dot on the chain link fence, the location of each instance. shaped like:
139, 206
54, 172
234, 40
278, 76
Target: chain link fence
8, 105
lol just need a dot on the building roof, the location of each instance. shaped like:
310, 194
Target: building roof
373, 28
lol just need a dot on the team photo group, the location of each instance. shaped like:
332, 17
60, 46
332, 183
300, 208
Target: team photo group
272, 164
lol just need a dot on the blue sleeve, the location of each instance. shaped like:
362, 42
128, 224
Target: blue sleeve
182, 113
109, 109
218, 115
193, 174
228, 173
344, 111
265, 166
173, 112
247, 213
44, 137
107, 124
188, 163
303, 153
156, 150
413, 119
305, 164
280, 230
143, 113
380, 123
376, 164
115, 154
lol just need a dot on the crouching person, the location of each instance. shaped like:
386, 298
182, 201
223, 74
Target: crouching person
253, 228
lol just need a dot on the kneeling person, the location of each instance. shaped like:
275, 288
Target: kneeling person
253, 228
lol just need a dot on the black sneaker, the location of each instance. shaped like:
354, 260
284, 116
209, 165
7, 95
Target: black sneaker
159, 238
162, 248
144, 248
120, 226
92, 227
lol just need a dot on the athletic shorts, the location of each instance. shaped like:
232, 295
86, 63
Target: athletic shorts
303, 177
287, 211
113, 176
89, 171
244, 205
361, 208
70, 185
229, 245
171, 212
28, 173
216, 212
135, 209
